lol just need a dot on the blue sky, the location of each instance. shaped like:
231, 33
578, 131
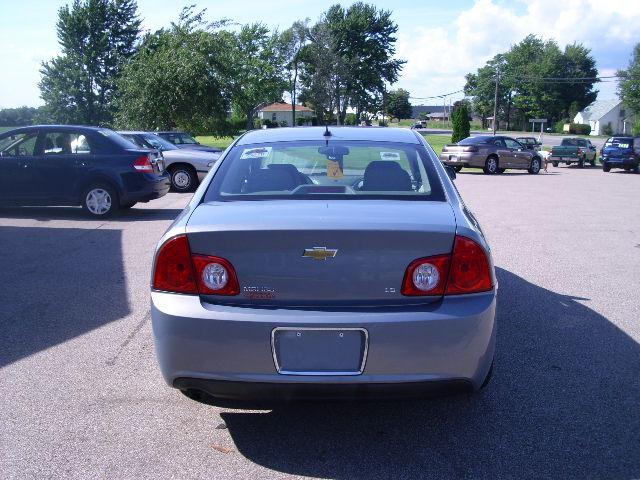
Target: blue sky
441, 40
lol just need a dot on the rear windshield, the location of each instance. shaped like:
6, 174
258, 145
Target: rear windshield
474, 140
317, 170
117, 139
623, 143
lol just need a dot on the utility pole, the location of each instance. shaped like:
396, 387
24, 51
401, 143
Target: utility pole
495, 105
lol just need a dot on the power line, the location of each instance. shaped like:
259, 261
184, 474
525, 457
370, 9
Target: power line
437, 96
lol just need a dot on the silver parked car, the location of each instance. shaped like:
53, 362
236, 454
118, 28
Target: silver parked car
492, 154
313, 264
187, 168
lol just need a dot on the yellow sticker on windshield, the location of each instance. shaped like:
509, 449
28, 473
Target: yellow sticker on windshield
334, 170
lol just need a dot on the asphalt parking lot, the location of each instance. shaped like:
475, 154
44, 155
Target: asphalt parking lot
82, 396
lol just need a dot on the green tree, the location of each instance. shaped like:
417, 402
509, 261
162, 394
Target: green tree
255, 65
536, 79
96, 37
629, 82
293, 41
460, 120
350, 60
178, 78
397, 104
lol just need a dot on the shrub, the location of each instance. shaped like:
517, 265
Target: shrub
383, 123
461, 125
559, 126
284, 123
350, 119
636, 129
300, 121
607, 130
579, 128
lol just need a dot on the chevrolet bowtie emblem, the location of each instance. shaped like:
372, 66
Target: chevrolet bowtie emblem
320, 253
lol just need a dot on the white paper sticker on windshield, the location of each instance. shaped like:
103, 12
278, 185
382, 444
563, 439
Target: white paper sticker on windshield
392, 156
260, 152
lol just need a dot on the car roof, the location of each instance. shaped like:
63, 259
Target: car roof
173, 131
133, 132
56, 127
293, 134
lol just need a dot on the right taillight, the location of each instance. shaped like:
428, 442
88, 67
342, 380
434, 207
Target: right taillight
466, 270
143, 164
177, 270
469, 271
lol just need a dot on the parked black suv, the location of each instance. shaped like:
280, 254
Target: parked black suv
621, 152
77, 165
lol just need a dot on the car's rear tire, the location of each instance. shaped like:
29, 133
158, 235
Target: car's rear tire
605, 167
183, 178
636, 169
491, 166
534, 167
581, 163
100, 200
555, 164
457, 168
489, 376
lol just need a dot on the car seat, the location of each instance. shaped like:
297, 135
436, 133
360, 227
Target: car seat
386, 176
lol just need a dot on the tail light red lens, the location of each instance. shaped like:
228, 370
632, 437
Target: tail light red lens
472, 149
467, 270
174, 271
470, 271
143, 164
177, 270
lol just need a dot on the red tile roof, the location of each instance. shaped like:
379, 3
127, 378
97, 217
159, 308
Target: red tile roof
283, 107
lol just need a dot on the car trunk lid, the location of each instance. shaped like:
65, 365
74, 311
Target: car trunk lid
374, 242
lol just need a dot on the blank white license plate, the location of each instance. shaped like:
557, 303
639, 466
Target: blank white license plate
453, 158
319, 351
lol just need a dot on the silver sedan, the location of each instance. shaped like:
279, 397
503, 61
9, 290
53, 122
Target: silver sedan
324, 264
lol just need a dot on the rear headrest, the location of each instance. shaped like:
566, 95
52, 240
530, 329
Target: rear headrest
272, 180
386, 175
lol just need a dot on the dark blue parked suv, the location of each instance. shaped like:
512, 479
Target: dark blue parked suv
75, 165
621, 152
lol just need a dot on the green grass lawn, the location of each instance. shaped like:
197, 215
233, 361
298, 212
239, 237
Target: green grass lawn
220, 142
438, 141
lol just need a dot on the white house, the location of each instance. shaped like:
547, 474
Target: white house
606, 112
281, 112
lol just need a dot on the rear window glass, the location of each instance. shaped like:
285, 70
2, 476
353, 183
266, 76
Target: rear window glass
475, 140
619, 142
310, 170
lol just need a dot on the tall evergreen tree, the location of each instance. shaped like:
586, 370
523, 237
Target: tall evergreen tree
96, 37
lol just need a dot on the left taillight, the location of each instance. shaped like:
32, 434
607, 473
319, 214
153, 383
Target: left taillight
177, 270
143, 164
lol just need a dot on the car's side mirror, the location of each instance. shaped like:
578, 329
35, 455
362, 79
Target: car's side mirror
450, 171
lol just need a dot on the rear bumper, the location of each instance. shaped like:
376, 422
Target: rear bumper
154, 186
463, 159
227, 351
620, 162
269, 393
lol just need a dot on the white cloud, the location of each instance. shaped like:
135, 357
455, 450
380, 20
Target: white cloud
439, 57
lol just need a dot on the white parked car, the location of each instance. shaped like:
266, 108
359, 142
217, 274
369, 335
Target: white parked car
186, 167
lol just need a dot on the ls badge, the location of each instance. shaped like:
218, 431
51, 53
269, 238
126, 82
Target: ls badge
320, 253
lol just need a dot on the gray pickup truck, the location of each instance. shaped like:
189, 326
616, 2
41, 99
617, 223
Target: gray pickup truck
573, 150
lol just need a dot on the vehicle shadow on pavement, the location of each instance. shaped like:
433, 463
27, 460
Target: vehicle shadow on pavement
56, 284
45, 214
563, 403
